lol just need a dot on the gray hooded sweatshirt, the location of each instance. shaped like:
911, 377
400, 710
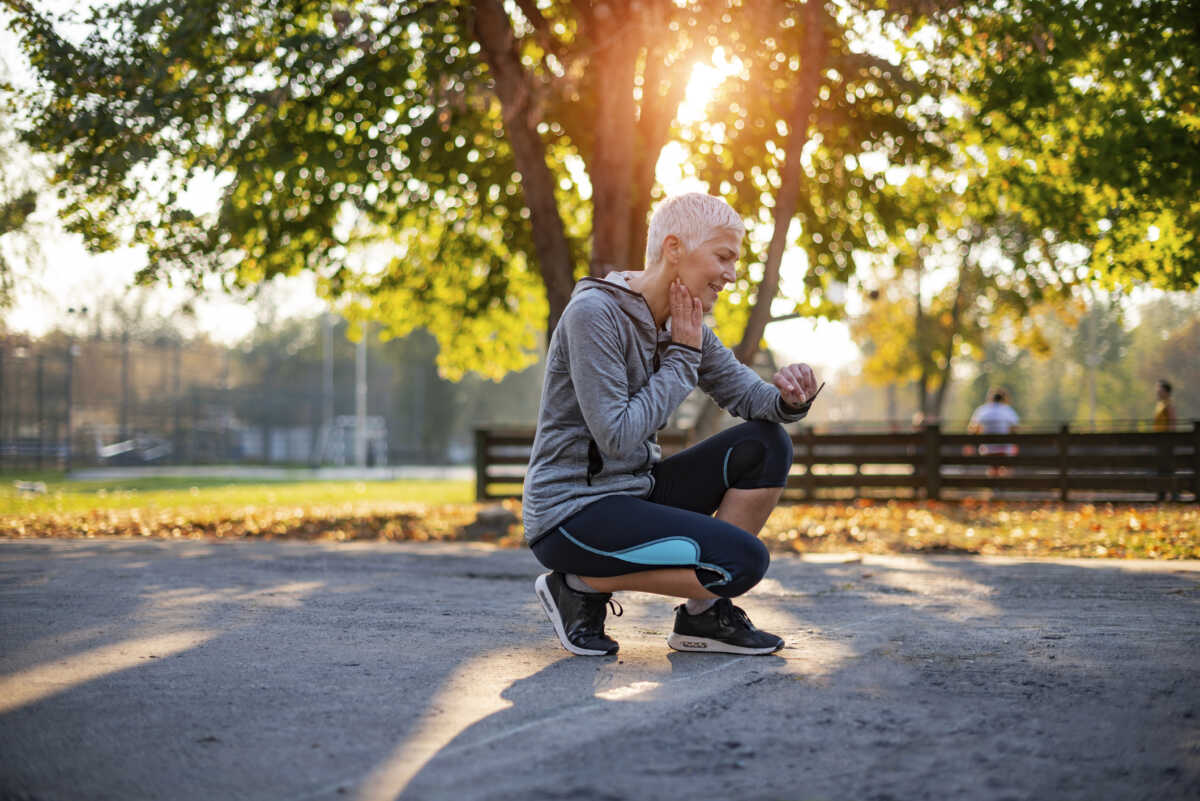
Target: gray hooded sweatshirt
612, 381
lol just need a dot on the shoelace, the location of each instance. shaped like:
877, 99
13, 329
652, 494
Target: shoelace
735, 614
593, 613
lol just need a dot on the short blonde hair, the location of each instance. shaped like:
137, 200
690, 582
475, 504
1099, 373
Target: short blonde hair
692, 217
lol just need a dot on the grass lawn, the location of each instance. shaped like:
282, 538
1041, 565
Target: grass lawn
196, 493
445, 510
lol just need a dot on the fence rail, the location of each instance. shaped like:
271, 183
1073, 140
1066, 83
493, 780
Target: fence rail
929, 463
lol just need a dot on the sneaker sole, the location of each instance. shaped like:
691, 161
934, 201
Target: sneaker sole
683, 642
542, 591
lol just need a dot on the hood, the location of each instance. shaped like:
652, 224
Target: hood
616, 286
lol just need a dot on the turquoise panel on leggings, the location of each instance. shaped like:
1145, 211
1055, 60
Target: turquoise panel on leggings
667, 551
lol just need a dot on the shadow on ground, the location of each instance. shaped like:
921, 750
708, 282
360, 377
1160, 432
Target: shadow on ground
380, 671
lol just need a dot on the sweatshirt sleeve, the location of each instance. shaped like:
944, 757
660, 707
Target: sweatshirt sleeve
738, 389
619, 422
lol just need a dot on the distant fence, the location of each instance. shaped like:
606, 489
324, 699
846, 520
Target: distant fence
930, 463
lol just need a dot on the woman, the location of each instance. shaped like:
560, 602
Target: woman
600, 508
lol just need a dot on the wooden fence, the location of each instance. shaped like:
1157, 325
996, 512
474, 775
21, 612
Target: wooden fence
929, 463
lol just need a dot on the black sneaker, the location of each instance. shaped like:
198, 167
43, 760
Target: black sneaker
578, 617
723, 628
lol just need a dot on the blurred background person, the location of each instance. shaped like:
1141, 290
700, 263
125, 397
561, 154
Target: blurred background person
995, 417
1164, 409
1164, 420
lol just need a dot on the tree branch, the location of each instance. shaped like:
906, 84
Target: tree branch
613, 64
533, 15
784, 317
492, 28
662, 92
816, 54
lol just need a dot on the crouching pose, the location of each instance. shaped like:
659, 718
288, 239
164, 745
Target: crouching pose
602, 510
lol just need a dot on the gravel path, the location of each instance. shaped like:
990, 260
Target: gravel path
279, 670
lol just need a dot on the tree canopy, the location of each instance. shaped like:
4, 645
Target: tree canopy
450, 163
1091, 112
21, 187
1065, 116
457, 165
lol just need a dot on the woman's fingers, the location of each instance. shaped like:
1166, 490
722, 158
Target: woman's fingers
808, 381
687, 315
787, 390
797, 383
679, 298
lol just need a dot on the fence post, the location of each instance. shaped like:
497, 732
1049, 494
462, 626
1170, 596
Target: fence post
809, 482
481, 447
933, 461
1196, 461
1064, 443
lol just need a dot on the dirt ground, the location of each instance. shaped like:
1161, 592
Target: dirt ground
134, 669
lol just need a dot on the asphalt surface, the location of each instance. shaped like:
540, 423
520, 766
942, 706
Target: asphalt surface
258, 670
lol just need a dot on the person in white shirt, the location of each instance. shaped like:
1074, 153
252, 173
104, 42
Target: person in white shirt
995, 417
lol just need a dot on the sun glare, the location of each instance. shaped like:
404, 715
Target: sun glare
671, 171
700, 89
702, 85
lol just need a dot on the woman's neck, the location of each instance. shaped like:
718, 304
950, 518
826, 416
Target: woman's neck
655, 286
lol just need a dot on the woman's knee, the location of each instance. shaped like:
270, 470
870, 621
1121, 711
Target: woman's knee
763, 459
777, 440
750, 566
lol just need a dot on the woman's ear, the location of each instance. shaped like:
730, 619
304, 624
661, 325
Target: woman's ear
672, 249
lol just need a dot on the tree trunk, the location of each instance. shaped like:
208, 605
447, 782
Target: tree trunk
951, 335
787, 199
663, 90
816, 51
493, 30
919, 343
612, 166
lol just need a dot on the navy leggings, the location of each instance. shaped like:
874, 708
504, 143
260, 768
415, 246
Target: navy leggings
674, 526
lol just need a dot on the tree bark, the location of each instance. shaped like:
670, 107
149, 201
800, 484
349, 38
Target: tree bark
816, 53
663, 90
922, 384
493, 30
614, 62
951, 335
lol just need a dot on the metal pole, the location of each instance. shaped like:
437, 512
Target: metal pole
41, 410
70, 376
2, 396
164, 411
20, 386
227, 408
325, 430
327, 374
124, 386
176, 439
360, 399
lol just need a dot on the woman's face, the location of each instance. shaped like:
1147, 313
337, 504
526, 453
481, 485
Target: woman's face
706, 269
